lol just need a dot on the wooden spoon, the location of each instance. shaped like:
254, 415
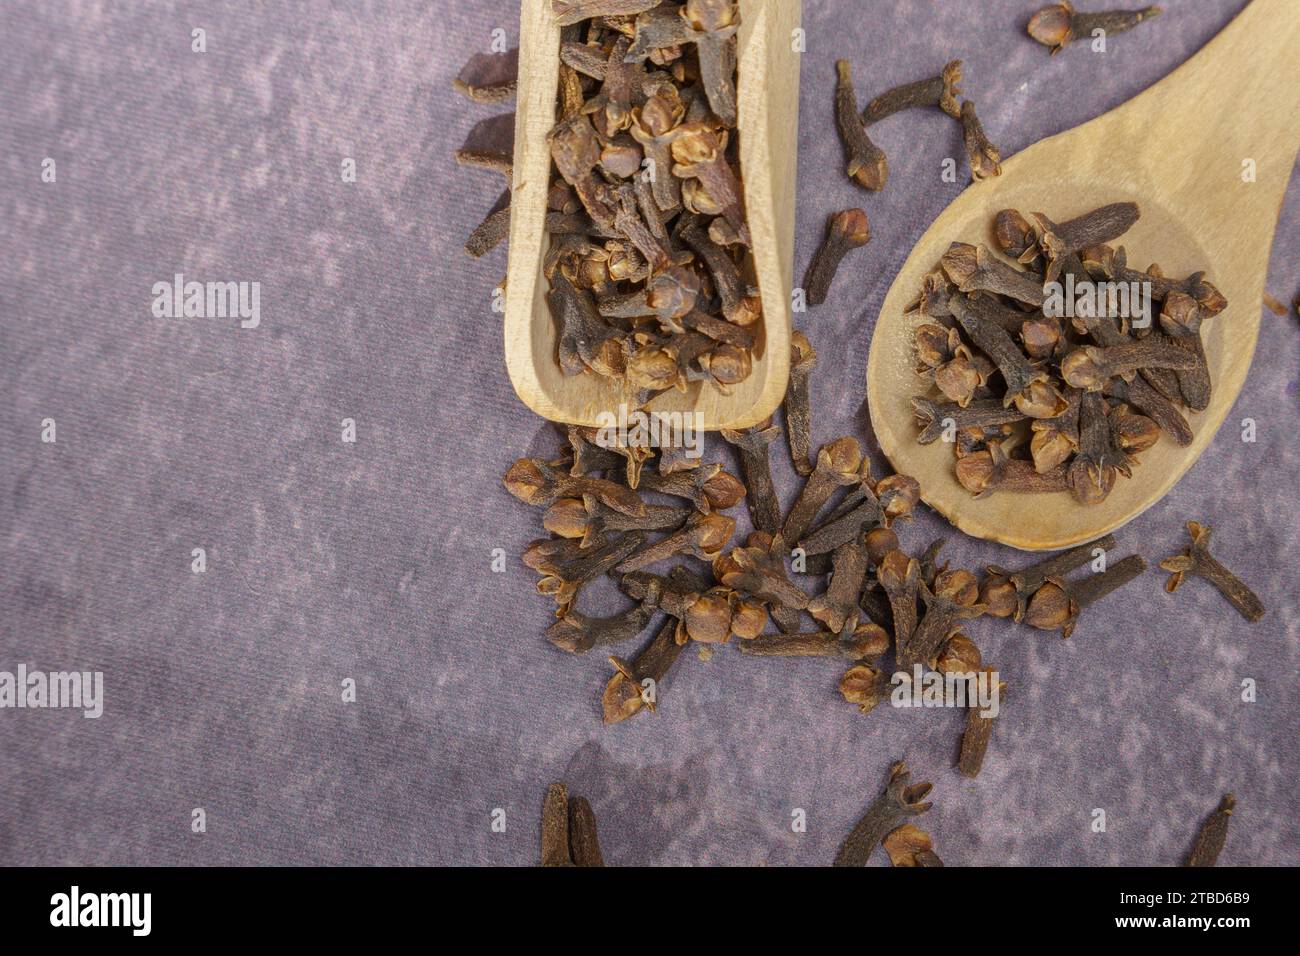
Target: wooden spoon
768, 112
1183, 151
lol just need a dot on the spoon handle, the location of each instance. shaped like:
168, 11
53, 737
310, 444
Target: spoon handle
1227, 118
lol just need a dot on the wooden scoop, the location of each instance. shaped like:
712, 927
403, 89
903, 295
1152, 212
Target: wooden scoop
768, 112
1182, 150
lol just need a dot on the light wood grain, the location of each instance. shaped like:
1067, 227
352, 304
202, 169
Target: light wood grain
1177, 150
768, 117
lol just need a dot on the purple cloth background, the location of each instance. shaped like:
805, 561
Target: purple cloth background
372, 561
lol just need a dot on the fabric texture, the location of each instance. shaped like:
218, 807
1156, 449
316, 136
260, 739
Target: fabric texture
372, 561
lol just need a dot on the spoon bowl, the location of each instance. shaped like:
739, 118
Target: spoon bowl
1184, 151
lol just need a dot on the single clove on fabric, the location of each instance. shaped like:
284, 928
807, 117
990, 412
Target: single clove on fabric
985, 159
1196, 560
568, 830
1057, 604
797, 403
1058, 24
887, 812
975, 739
845, 230
1213, 834
938, 91
864, 162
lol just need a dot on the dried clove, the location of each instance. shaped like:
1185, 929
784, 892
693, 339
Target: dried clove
492, 231
577, 633
886, 813
1017, 371
755, 467
934, 417
568, 12
1092, 473
900, 576
798, 409
838, 607
1090, 367
975, 739
704, 536
1058, 241
1059, 24
555, 827
985, 158
1213, 834
911, 846
1181, 321
940, 91
584, 846
984, 472
536, 482
955, 597
1006, 593
837, 465
859, 511
864, 162
976, 269
754, 569
1057, 603
1197, 560
637, 684
845, 230
864, 685
866, 640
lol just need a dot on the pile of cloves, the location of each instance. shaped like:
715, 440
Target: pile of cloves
1034, 402
866, 164
650, 278
651, 281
